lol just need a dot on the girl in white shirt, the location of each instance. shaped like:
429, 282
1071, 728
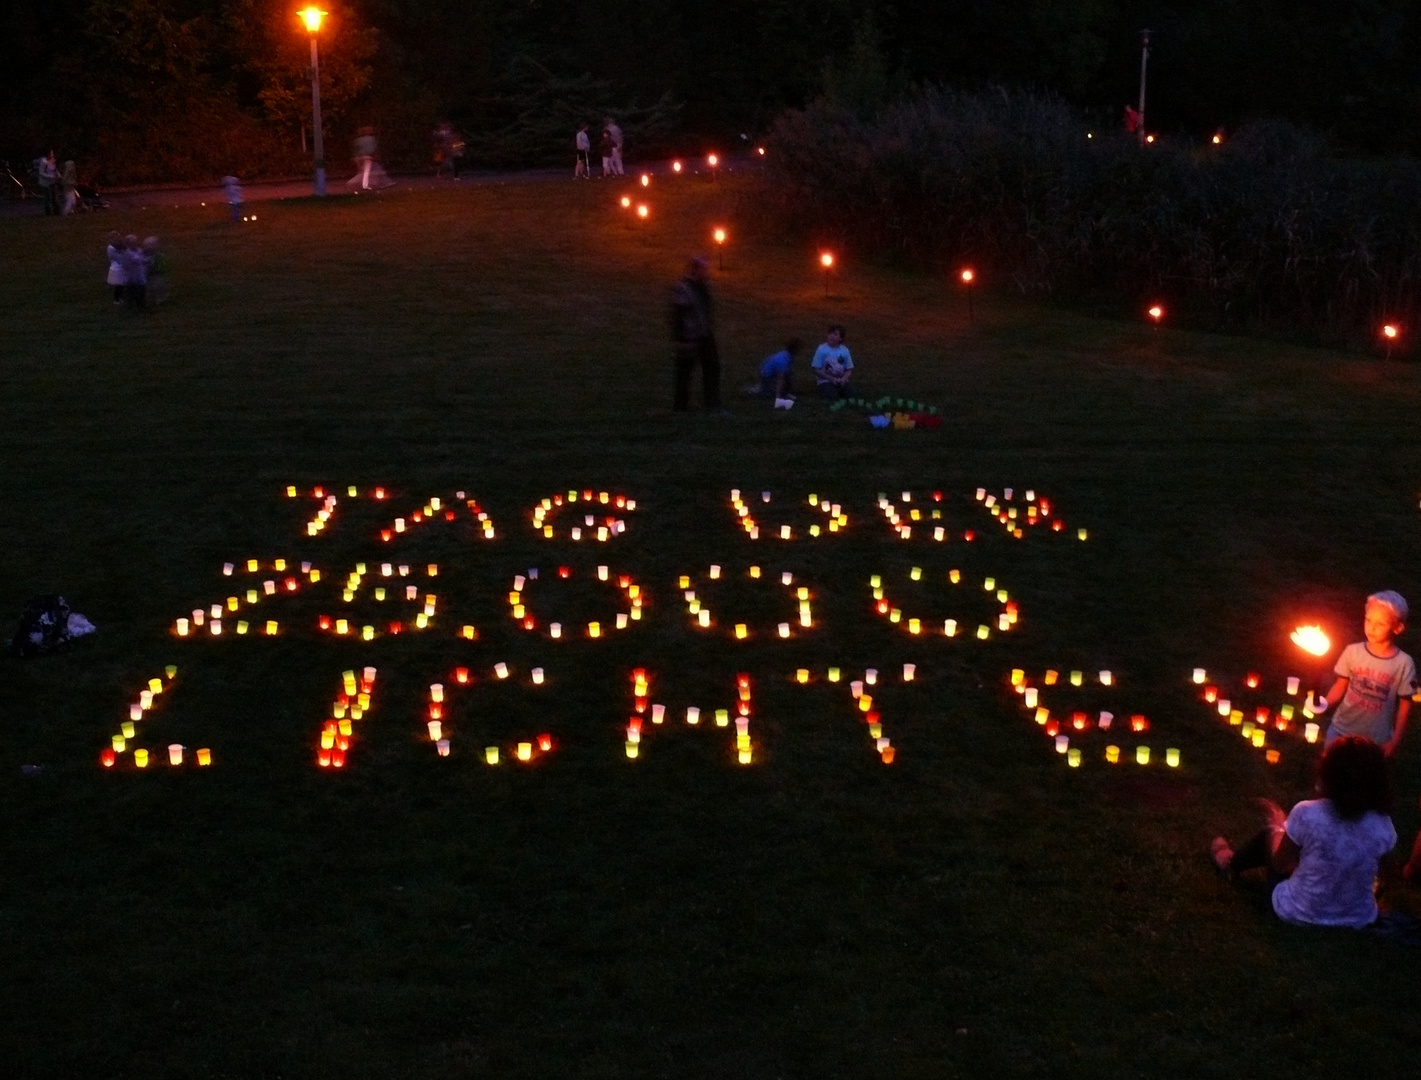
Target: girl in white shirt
1323, 857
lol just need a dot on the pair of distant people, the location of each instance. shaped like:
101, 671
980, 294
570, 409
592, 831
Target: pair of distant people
609, 148
832, 367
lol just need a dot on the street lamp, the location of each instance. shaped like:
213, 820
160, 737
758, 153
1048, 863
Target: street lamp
967, 277
1390, 332
312, 17
719, 237
826, 260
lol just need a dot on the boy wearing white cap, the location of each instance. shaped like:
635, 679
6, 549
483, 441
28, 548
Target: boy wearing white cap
1375, 679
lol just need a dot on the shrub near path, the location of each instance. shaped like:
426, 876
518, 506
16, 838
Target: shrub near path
977, 906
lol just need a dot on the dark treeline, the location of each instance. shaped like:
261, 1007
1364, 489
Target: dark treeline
173, 89
1265, 229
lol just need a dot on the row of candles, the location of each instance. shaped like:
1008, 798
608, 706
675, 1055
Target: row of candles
1256, 728
437, 725
188, 625
139, 711
1006, 619
350, 706
835, 511
605, 526
518, 606
701, 614
1080, 721
608, 527
643, 706
432, 510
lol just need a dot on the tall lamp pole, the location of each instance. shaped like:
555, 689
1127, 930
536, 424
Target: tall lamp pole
312, 17
1144, 61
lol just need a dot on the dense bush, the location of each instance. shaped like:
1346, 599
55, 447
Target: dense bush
1263, 228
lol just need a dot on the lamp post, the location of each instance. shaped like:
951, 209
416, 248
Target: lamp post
719, 237
1390, 332
1144, 60
968, 277
312, 17
826, 260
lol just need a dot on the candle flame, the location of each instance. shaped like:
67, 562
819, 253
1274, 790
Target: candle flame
1312, 639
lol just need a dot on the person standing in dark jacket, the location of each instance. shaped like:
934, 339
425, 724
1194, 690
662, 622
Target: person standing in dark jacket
693, 336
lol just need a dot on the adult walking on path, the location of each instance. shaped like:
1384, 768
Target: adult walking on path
48, 175
616, 133
693, 336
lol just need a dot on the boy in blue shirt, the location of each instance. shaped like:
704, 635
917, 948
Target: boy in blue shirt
776, 374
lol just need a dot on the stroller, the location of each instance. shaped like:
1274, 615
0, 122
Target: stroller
87, 198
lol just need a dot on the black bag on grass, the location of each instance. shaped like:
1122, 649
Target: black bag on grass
47, 623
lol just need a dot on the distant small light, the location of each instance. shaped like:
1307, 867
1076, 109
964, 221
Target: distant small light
826, 259
675, 166
968, 276
642, 211
1090, 134
1149, 138
645, 180
1391, 332
1218, 139
713, 161
760, 150
626, 201
1156, 312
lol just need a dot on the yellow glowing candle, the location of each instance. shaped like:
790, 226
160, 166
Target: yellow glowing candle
241, 626
1077, 678
204, 757
722, 717
436, 730
983, 631
491, 754
949, 627
833, 674
1171, 758
802, 675
127, 728
140, 758
740, 630
1142, 755
182, 628
525, 751
342, 626
118, 744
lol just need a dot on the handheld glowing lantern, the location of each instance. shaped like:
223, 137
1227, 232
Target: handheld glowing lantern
1311, 639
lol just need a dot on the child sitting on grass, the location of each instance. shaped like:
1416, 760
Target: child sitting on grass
1375, 679
776, 372
833, 366
1322, 859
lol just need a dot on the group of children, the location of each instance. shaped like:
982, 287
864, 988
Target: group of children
832, 367
1321, 860
135, 271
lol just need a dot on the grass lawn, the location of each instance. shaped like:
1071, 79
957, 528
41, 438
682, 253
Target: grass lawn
975, 908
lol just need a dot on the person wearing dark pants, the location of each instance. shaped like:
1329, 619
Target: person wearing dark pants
693, 336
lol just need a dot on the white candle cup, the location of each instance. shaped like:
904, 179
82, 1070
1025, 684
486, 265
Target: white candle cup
1293, 684
909, 671
693, 715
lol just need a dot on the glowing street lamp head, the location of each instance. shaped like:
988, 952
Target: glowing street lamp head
1156, 312
1218, 139
645, 180
1312, 639
968, 276
713, 161
760, 150
312, 17
719, 236
1149, 138
642, 210
675, 166
626, 202
1391, 331
826, 259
